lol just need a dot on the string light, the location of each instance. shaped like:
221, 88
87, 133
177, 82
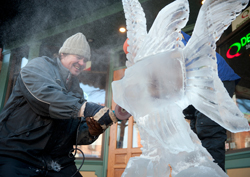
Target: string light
122, 30
203, 1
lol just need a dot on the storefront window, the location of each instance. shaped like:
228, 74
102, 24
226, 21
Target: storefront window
122, 134
240, 140
93, 150
17, 57
136, 136
237, 140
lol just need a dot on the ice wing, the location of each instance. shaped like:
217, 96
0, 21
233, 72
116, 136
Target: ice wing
204, 89
165, 31
136, 26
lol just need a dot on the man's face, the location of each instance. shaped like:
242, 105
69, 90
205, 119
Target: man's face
74, 63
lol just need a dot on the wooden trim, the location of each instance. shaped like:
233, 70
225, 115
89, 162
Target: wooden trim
119, 166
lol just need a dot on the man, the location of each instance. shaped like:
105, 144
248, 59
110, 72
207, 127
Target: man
211, 134
47, 114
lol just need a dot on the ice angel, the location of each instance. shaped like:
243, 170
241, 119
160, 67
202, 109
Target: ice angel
164, 77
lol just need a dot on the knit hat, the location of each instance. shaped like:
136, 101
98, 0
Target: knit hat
76, 45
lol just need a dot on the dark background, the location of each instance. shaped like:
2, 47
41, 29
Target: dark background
22, 18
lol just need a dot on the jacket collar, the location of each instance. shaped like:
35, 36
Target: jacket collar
65, 73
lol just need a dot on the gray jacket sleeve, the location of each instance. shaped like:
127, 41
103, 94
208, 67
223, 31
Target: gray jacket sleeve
45, 96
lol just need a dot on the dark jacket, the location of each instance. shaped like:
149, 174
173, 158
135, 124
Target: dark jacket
39, 123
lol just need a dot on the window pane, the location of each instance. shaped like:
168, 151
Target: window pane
136, 136
240, 140
17, 56
122, 134
24, 62
93, 150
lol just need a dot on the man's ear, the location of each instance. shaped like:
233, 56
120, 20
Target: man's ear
61, 56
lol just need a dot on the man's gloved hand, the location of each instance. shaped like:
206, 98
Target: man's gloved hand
101, 115
95, 128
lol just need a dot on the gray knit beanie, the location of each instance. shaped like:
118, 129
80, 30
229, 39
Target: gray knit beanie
76, 45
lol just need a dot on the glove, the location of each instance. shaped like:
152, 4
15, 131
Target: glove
95, 128
102, 115
189, 112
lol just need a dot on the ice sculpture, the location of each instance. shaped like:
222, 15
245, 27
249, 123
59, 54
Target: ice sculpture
164, 76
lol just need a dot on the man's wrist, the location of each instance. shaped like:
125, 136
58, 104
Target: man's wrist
81, 111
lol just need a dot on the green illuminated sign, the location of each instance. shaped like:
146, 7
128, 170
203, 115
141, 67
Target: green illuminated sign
243, 41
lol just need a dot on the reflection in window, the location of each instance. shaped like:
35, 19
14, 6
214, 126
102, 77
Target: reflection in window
24, 62
91, 151
122, 134
93, 94
136, 136
240, 140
